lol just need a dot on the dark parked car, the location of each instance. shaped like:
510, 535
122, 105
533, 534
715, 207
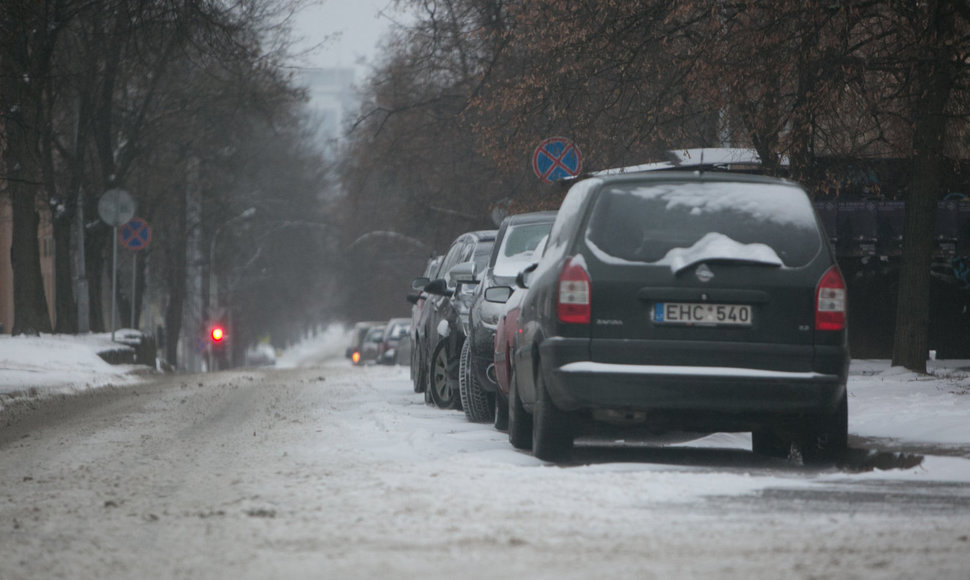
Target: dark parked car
395, 346
686, 302
441, 329
517, 238
370, 347
417, 298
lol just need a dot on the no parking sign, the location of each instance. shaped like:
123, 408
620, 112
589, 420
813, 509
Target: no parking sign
556, 158
135, 234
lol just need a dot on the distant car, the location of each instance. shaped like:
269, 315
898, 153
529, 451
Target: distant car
678, 301
517, 238
369, 348
358, 333
261, 355
444, 318
394, 340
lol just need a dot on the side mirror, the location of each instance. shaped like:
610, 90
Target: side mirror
520, 278
498, 294
439, 288
413, 298
419, 283
463, 273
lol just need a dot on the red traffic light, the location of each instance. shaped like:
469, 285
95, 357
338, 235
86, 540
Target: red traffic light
217, 334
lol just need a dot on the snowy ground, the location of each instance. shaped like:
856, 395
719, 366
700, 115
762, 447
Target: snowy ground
885, 402
323, 470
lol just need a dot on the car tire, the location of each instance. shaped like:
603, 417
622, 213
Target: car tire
825, 439
501, 412
520, 422
442, 379
474, 400
552, 433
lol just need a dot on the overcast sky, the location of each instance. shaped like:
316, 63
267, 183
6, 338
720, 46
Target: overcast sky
354, 26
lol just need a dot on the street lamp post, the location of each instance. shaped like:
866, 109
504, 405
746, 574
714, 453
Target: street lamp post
213, 294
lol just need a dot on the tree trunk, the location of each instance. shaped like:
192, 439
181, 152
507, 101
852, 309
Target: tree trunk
21, 102
94, 244
64, 304
173, 318
31, 315
176, 287
933, 82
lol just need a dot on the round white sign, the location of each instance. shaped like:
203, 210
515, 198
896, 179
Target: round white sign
116, 207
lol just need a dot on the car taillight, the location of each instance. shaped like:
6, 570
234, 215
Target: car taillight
830, 301
573, 301
355, 357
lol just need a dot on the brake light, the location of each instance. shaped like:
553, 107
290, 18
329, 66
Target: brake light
830, 301
355, 357
573, 301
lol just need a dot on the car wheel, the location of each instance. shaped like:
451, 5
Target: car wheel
825, 439
442, 380
520, 422
552, 434
474, 399
501, 412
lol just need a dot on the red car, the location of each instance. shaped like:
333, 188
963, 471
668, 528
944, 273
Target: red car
505, 338
504, 342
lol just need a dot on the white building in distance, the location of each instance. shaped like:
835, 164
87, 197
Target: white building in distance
332, 100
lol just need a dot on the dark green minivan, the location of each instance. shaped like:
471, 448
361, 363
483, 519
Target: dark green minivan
701, 301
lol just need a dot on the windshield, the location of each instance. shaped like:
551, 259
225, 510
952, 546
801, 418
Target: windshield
482, 252
683, 223
518, 248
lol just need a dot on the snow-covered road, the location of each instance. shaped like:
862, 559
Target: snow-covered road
329, 471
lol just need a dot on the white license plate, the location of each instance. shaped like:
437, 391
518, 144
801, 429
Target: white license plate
702, 314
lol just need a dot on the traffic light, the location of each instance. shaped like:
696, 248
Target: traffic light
217, 334
217, 347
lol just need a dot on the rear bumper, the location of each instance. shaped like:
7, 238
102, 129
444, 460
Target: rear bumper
723, 394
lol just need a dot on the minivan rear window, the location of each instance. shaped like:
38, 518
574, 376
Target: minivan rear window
653, 222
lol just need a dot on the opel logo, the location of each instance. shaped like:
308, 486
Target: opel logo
703, 273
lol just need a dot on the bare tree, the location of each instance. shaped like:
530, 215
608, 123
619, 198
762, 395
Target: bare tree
28, 37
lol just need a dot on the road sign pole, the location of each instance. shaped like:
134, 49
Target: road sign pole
134, 280
115, 208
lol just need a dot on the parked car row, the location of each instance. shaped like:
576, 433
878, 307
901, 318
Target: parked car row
379, 342
650, 302
439, 325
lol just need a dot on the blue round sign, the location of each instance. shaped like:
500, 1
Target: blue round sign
556, 158
135, 234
